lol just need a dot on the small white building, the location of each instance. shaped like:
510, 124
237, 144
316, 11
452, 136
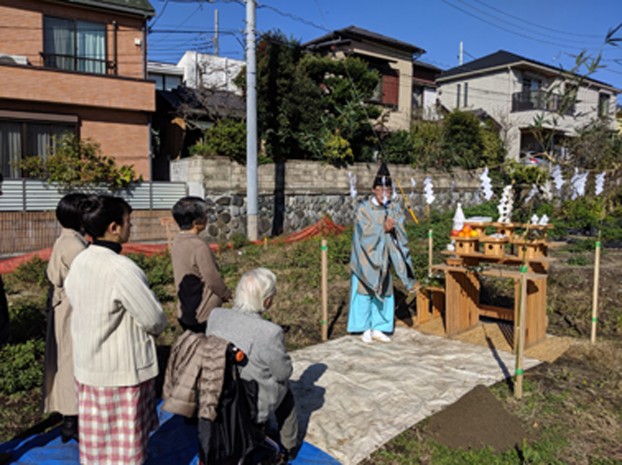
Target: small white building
210, 71
515, 90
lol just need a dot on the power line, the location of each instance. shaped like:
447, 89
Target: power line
538, 32
509, 30
547, 27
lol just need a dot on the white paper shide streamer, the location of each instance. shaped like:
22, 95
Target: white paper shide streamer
506, 205
486, 185
532, 193
352, 182
428, 190
558, 178
578, 182
599, 183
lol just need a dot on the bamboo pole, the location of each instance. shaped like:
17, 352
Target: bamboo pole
430, 249
407, 203
324, 320
520, 346
595, 292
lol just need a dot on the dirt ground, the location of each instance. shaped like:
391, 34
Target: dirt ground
573, 401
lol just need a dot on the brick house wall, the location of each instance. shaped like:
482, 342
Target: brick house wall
112, 110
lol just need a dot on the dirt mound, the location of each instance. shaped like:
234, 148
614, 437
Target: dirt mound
476, 420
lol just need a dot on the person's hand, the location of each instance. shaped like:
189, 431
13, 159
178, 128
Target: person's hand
414, 289
389, 224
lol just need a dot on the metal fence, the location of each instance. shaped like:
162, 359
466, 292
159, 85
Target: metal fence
32, 195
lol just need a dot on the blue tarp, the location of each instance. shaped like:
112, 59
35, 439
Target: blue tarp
173, 443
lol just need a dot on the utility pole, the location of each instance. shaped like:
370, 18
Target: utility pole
251, 124
216, 32
460, 54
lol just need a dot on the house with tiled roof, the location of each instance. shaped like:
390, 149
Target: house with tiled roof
392, 58
75, 66
515, 90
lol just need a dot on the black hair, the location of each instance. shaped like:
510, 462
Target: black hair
69, 211
100, 211
188, 210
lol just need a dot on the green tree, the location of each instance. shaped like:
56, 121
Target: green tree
307, 101
462, 141
597, 146
79, 162
226, 138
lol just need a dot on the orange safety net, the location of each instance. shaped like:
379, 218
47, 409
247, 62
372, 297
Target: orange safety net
324, 227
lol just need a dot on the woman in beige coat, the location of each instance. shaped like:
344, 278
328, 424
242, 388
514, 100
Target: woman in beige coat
59, 388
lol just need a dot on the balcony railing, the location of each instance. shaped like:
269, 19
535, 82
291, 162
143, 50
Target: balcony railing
76, 63
541, 100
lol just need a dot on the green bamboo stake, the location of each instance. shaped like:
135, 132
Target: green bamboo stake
324, 290
595, 291
520, 344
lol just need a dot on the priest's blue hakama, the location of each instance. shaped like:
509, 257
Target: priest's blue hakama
374, 252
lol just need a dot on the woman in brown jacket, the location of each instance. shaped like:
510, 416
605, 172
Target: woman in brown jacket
59, 388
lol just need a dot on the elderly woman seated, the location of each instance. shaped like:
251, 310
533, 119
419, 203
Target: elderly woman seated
268, 365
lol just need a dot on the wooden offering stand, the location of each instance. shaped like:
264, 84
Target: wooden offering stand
503, 253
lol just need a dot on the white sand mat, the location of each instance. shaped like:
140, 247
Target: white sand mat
354, 397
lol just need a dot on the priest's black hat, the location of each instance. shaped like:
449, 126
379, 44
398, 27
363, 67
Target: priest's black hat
383, 177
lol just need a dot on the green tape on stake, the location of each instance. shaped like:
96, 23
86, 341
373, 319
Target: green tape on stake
523, 269
430, 233
518, 372
594, 319
324, 322
598, 244
324, 247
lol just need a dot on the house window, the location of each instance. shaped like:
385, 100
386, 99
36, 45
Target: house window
387, 90
458, 96
466, 94
531, 91
74, 45
603, 105
20, 139
164, 81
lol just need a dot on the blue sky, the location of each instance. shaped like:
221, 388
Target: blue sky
550, 31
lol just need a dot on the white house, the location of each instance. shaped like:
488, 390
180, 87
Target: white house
515, 90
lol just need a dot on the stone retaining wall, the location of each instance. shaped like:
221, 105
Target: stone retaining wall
299, 193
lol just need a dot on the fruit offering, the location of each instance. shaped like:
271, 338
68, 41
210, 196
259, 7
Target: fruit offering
466, 231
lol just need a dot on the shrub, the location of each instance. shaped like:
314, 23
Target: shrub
20, 366
397, 147
427, 145
27, 315
33, 272
226, 138
73, 162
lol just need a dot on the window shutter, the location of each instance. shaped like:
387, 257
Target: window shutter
390, 89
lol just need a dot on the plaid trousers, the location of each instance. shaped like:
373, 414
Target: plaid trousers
115, 423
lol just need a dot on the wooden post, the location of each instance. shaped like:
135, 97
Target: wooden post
324, 291
520, 346
595, 293
430, 247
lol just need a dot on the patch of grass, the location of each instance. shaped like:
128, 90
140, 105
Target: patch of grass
578, 260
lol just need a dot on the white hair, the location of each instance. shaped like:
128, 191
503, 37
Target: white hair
254, 288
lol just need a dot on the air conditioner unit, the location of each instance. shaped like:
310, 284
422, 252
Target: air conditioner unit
7, 59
